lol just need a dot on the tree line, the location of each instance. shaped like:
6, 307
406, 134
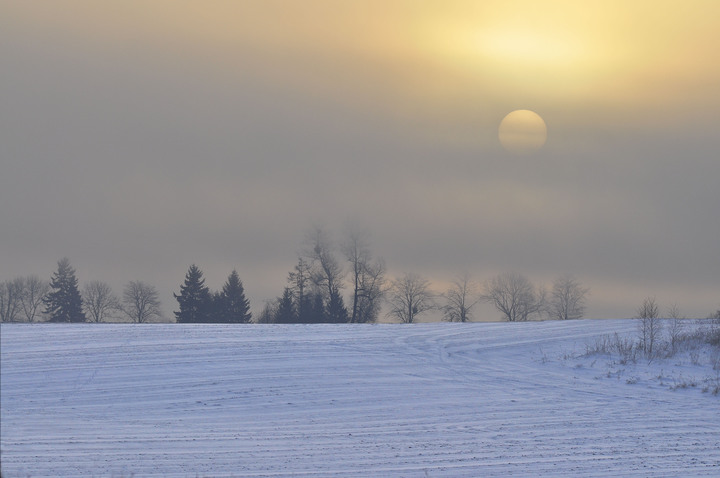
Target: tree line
23, 298
325, 275
59, 300
314, 290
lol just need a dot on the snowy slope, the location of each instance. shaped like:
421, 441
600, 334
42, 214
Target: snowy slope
438, 400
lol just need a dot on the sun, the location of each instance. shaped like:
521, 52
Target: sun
522, 132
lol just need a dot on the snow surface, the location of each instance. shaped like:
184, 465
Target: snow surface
437, 400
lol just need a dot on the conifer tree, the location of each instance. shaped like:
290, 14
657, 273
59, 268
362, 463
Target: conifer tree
194, 299
336, 311
285, 313
231, 306
317, 310
305, 311
64, 303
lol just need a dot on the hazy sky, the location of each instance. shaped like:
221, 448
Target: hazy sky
140, 136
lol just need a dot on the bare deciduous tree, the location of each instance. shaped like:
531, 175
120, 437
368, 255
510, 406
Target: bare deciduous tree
460, 299
371, 292
675, 326
141, 302
567, 299
33, 292
514, 296
299, 283
10, 300
268, 314
409, 296
649, 309
99, 301
327, 274
367, 275
649, 325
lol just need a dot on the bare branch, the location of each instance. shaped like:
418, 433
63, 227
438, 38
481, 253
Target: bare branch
514, 296
460, 299
140, 302
409, 297
567, 299
367, 276
32, 295
99, 301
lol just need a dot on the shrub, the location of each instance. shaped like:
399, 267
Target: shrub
626, 348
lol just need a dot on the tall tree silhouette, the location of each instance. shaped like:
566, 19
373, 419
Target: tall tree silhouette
367, 276
141, 302
327, 276
336, 311
409, 297
285, 312
231, 306
64, 303
194, 298
300, 282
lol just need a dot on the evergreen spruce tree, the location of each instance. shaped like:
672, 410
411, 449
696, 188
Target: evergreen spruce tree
285, 313
336, 311
195, 300
215, 308
304, 306
64, 303
317, 313
231, 306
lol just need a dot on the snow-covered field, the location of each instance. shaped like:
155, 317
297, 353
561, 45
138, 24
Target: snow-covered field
437, 400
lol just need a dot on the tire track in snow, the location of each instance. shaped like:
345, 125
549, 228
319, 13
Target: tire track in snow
384, 400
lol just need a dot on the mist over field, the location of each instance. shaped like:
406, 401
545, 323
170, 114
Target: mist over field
139, 138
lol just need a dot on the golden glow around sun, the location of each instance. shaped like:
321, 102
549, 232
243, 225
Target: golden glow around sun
527, 47
522, 132
432, 58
